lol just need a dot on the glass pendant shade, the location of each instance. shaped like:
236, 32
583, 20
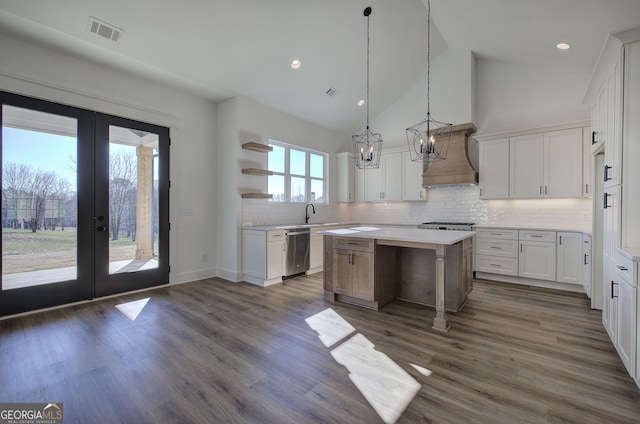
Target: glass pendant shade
429, 139
367, 146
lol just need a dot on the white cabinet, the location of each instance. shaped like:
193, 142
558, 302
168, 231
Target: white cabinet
613, 128
360, 184
569, 264
345, 177
412, 179
276, 254
587, 163
546, 165
384, 184
526, 172
624, 297
610, 242
263, 256
537, 256
496, 251
586, 264
494, 169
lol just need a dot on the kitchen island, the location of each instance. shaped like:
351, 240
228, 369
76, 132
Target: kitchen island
371, 267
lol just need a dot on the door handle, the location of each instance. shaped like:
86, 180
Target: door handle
100, 228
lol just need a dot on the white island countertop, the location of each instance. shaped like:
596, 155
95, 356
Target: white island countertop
412, 235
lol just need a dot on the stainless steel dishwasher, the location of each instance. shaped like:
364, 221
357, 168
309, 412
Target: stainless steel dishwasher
297, 261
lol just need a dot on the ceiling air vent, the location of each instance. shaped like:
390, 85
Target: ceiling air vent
104, 29
331, 92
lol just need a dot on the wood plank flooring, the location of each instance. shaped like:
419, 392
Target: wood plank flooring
213, 351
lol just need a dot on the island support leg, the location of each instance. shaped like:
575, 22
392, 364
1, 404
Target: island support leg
440, 322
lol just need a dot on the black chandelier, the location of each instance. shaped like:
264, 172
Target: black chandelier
429, 139
367, 146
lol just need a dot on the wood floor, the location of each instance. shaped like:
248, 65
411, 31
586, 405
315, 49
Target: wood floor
213, 351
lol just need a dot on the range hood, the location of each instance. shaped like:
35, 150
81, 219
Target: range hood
456, 168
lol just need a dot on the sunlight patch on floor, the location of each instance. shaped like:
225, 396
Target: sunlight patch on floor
387, 387
330, 326
132, 309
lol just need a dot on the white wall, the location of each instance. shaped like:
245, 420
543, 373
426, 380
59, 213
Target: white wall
241, 120
53, 75
514, 97
451, 98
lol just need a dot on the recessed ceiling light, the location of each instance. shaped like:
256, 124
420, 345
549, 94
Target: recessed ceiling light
360, 102
296, 64
563, 46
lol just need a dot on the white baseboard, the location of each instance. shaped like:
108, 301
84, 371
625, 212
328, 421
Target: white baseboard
230, 275
187, 277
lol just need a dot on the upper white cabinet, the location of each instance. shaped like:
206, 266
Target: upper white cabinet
546, 165
587, 163
494, 169
412, 179
527, 166
346, 169
384, 184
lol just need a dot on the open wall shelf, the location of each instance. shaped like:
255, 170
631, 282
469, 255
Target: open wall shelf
257, 196
257, 147
256, 171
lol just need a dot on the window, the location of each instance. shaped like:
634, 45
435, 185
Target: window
299, 174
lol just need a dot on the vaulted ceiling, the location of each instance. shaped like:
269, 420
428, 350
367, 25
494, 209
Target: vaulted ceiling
223, 48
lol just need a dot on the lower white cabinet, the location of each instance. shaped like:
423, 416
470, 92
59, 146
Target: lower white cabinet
537, 256
586, 264
569, 264
625, 298
263, 256
496, 251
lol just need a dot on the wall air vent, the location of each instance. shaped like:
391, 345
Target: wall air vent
104, 29
331, 92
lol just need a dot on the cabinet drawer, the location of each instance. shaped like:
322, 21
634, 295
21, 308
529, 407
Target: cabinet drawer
624, 269
275, 235
491, 247
549, 236
365, 245
497, 234
497, 265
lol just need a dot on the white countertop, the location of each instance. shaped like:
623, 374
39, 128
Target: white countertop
630, 252
413, 235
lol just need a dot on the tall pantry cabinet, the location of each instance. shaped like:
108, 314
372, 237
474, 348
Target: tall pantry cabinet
614, 94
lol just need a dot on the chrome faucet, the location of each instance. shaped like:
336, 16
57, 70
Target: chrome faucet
306, 211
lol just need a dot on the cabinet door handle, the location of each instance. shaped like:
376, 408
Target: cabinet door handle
353, 259
545, 190
496, 247
520, 247
593, 137
540, 189
612, 284
585, 259
606, 202
536, 235
496, 265
606, 172
622, 268
560, 241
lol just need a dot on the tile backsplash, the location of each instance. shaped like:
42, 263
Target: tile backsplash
451, 203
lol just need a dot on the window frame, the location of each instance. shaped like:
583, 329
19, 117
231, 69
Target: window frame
307, 176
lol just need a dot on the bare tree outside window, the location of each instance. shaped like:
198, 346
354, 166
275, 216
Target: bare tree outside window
122, 189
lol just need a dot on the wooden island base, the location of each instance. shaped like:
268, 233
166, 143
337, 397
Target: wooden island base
372, 272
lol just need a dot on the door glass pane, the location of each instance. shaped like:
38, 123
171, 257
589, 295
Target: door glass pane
133, 200
39, 200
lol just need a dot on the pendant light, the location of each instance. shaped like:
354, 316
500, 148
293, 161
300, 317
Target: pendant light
429, 139
367, 145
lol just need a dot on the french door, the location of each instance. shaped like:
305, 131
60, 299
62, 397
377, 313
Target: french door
84, 204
